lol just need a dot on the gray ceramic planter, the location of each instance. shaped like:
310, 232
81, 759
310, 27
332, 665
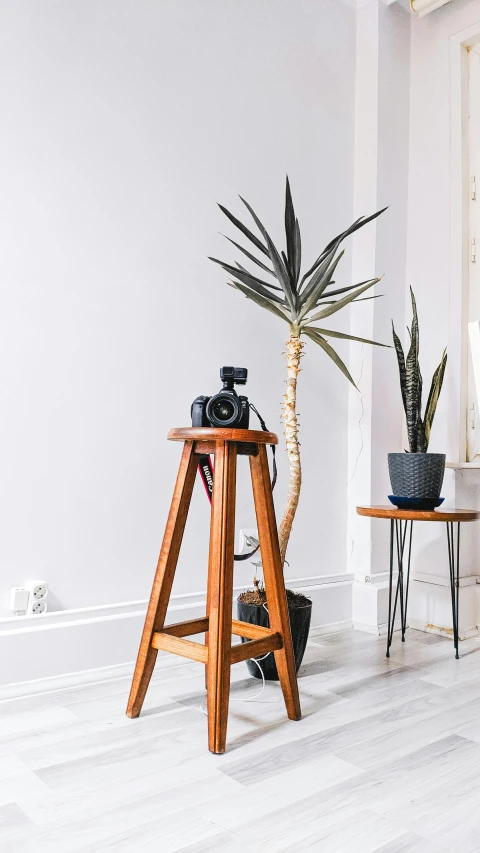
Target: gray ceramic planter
416, 475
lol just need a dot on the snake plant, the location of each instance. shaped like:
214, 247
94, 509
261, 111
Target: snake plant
302, 301
411, 386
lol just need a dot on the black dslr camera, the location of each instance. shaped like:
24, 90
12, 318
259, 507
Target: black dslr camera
227, 408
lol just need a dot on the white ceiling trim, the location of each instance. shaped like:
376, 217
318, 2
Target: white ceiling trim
423, 7
359, 4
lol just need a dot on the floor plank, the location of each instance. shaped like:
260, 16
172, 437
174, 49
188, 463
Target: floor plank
385, 759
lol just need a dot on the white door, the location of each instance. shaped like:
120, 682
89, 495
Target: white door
473, 392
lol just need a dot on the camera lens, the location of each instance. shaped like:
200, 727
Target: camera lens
223, 410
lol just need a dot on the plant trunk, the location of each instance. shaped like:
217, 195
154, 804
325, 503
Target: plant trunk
294, 354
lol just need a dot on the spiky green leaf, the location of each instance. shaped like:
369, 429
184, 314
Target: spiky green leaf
401, 367
344, 336
329, 293
413, 381
334, 244
359, 223
318, 339
243, 228
340, 303
278, 264
250, 256
316, 277
260, 300
256, 284
321, 285
298, 252
420, 431
266, 283
290, 234
435, 388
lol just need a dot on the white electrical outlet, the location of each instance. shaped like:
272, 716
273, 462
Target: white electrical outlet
38, 597
19, 598
248, 539
38, 589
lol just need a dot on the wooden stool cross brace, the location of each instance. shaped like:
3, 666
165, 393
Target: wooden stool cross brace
217, 653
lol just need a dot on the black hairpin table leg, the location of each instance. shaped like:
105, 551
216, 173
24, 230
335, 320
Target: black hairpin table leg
398, 537
454, 566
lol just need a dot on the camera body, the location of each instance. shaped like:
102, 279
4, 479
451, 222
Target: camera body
227, 408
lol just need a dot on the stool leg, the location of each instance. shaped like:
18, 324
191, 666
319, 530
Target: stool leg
274, 582
164, 575
207, 614
220, 594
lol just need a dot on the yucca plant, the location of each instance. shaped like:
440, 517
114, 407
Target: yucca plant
418, 429
302, 301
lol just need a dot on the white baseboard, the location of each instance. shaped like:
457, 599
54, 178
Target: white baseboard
377, 630
463, 634
63, 682
111, 673
444, 580
66, 648
330, 628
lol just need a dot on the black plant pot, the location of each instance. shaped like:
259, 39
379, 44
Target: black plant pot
416, 475
300, 618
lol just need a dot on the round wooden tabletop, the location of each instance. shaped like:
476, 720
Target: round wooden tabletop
248, 436
419, 515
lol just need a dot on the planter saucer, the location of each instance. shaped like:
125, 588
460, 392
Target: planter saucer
415, 503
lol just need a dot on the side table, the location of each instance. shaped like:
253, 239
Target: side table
400, 531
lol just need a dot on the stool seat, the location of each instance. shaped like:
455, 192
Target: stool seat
217, 653
248, 436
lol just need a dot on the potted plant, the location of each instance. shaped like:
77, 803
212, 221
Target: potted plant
302, 302
417, 476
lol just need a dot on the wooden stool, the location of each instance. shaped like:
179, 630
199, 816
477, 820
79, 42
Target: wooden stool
218, 654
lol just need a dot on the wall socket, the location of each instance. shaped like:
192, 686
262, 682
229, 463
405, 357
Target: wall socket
29, 600
248, 539
38, 589
38, 597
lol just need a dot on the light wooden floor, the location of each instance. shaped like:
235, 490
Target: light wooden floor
386, 759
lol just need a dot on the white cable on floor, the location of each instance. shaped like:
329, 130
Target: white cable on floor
255, 696
203, 708
248, 698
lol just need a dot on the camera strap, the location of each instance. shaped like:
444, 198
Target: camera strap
206, 471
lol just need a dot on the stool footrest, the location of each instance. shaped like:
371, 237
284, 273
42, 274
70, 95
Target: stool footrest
252, 632
186, 629
177, 646
199, 626
171, 640
256, 648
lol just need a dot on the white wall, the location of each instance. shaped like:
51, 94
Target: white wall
122, 124
381, 176
429, 226
439, 295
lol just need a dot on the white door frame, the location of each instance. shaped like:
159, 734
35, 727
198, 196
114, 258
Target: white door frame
459, 240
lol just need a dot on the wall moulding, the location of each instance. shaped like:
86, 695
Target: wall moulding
36, 652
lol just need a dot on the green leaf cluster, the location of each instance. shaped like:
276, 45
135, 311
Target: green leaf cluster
279, 288
411, 387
